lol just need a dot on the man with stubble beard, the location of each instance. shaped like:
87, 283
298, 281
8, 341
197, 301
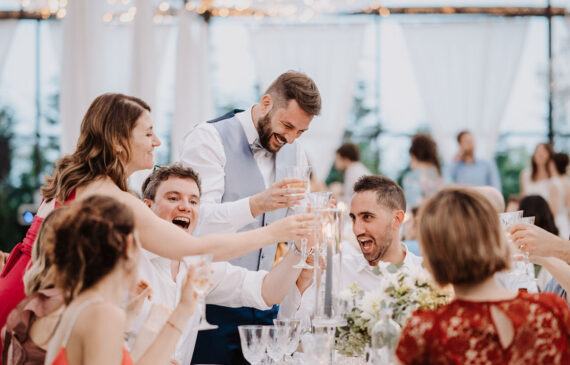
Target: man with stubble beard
377, 212
238, 157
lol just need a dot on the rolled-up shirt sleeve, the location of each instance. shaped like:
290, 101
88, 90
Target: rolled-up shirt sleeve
203, 151
236, 286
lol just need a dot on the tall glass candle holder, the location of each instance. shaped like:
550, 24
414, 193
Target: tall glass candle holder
328, 268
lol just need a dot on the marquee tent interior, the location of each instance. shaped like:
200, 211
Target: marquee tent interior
385, 69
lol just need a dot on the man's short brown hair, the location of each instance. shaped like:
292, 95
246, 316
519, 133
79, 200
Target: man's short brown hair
350, 151
163, 173
297, 86
389, 194
461, 237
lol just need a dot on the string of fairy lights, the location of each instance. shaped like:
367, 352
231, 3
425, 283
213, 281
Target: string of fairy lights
124, 11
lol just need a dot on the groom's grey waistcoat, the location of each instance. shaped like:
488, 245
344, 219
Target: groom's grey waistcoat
243, 179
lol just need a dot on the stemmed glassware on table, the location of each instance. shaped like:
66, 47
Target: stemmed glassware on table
253, 339
318, 345
277, 338
293, 334
202, 265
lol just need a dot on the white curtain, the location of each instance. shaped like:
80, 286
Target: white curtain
82, 75
465, 72
7, 29
328, 54
145, 57
193, 100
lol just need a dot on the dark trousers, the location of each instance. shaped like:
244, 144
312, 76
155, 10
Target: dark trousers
222, 346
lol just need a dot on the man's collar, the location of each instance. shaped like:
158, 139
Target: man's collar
248, 127
361, 263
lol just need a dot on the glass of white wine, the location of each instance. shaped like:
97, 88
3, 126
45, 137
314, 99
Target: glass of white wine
301, 173
202, 265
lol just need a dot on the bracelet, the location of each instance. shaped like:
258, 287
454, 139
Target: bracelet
174, 326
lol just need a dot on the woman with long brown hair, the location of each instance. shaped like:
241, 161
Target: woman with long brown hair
543, 179
96, 253
117, 139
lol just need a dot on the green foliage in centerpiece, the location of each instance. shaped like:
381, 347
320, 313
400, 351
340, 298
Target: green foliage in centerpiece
402, 289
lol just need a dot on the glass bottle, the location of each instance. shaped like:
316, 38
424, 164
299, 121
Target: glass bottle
385, 335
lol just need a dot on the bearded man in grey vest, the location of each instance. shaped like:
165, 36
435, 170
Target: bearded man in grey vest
239, 156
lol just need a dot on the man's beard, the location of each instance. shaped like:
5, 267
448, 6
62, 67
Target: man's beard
265, 133
383, 244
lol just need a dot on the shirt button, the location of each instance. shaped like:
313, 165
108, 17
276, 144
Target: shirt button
262, 256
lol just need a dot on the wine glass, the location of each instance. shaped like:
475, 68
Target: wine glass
317, 347
301, 173
253, 340
202, 265
320, 199
293, 335
277, 337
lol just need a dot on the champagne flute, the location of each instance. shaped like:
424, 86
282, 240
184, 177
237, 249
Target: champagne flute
297, 209
202, 265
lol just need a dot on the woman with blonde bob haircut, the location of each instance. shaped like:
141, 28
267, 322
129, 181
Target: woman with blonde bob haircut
117, 139
464, 245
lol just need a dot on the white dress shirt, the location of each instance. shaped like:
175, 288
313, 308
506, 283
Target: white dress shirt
203, 150
233, 286
518, 279
355, 269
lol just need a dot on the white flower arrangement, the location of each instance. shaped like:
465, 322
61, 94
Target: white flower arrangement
402, 289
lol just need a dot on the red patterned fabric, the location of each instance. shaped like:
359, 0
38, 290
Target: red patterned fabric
11, 283
464, 332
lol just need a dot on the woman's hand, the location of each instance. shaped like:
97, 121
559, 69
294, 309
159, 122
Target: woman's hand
136, 297
187, 295
535, 240
292, 227
135, 300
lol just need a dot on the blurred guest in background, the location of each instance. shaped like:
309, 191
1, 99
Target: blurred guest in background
485, 321
348, 162
558, 168
466, 169
535, 206
424, 177
561, 164
542, 180
513, 203
411, 231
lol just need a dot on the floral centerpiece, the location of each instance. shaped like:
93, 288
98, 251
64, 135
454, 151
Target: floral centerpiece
402, 289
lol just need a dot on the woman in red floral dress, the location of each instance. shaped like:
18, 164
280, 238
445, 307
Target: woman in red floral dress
464, 245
